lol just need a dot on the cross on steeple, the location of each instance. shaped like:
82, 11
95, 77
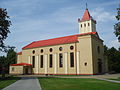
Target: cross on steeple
86, 6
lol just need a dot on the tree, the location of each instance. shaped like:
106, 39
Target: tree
113, 56
4, 28
117, 25
6, 61
2, 65
11, 57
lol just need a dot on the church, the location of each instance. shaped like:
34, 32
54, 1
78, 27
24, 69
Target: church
80, 54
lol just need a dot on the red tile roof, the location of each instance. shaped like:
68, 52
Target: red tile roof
56, 41
21, 64
19, 53
86, 16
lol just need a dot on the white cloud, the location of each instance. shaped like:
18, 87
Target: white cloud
114, 43
101, 15
109, 3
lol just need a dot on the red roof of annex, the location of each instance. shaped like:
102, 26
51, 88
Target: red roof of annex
55, 41
19, 53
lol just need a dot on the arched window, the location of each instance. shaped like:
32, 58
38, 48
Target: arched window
88, 24
85, 25
33, 61
60, 60
50, 60
72, 59
98, 49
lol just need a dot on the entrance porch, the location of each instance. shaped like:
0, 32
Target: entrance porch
20, 68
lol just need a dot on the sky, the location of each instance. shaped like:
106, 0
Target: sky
34, 20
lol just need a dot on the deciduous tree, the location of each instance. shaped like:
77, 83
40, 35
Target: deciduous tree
4, 28
117, 25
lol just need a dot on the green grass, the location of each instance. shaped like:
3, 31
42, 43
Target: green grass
7, 81
76, 84
118, 79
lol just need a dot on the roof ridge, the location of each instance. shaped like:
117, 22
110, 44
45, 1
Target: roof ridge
55, 41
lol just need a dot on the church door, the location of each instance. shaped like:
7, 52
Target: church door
99, 66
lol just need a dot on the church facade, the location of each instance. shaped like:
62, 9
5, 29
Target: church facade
80, 54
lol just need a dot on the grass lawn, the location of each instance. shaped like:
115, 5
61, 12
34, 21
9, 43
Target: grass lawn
76, 84
7, 81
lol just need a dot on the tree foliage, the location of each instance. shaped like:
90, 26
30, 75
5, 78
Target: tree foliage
4, 27
117, 25
11, 56
9, 59
113, 56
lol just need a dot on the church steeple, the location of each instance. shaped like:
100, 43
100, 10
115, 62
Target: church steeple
87, 23
86, 16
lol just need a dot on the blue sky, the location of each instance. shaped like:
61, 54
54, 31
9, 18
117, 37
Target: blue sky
34, 20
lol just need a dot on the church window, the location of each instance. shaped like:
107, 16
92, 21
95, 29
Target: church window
71, 47
50, 60
88, 24
71, 59
60, 48
85, 25
41, 62
12, 68
85, 63
33, 61
60, 60
41, 50
50, 49
98, 49
81, 25
33, 51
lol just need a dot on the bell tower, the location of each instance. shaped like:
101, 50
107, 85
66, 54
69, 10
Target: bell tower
87, 23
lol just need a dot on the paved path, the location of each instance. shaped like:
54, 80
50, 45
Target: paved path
109, 80
107, 76
26, 83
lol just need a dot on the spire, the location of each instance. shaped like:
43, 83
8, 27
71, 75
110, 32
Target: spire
86, 15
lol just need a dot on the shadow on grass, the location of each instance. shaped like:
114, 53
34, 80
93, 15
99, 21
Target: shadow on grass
9, 78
